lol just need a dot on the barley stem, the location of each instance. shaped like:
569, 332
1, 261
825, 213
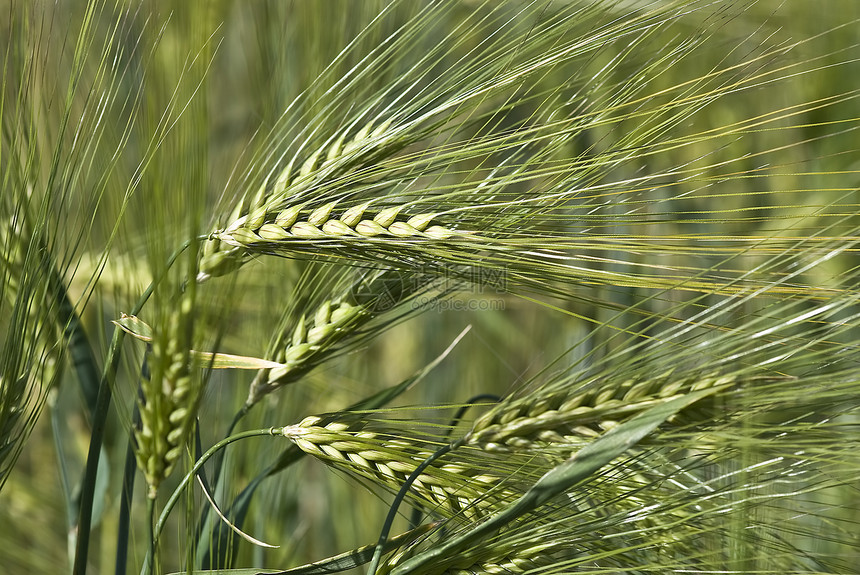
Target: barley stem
153, 542
395, 505
198, 465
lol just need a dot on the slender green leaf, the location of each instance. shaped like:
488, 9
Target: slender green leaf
558, 480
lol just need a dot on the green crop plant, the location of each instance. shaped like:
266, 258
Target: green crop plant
426, 288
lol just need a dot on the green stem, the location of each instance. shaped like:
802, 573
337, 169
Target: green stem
189, 477
216, 476
415, 520
204, 521
392, 512
99, 421
150, 513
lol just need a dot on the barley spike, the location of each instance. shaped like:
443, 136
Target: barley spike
571, 414
169, 396
349, 444
257, 218
320, 225
313, 334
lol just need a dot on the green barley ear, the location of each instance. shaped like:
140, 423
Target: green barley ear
570, 413
321, 225
385, 456
272, 212
170, 393
307, 338
304, 346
